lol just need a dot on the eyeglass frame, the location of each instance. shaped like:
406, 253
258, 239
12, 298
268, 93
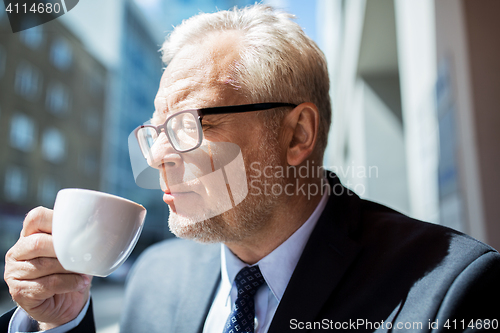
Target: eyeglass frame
200, 113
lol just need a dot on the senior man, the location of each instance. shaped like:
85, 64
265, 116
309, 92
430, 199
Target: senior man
289, 260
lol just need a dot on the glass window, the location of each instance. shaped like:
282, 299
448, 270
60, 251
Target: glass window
32, 37
3, 60
92, 121
16, 184
53, 145
58, 99
47, 190
96, 83
89, 163
28, 80
22, 132
2, 13
61, 54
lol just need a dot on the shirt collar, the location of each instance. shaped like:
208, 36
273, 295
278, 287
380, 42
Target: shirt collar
277, 267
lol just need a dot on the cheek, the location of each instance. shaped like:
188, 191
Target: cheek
250, 154
252, 142
198, 161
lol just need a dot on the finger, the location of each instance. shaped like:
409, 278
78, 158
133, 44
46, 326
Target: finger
34, 268
29, 292
31, 247
38, 220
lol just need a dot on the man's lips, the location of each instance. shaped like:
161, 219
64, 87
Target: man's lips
169, 197
180, 191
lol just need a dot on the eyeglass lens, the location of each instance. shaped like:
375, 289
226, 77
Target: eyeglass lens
183, 130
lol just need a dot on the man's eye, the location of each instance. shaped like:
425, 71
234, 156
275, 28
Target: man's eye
189, 124
206, 125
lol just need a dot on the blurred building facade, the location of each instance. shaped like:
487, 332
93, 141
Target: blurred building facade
52, 103
133, 86
415, 107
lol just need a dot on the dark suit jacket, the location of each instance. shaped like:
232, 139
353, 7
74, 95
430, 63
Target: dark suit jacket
363, 264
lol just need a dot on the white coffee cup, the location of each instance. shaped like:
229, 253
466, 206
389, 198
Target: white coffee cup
94, 232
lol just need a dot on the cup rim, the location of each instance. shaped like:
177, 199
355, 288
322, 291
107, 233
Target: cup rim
101, 193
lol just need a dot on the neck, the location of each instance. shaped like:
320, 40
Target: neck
287, 217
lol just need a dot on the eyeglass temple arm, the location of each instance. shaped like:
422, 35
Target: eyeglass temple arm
242, 108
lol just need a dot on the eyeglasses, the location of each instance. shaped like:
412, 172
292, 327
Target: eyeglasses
184, 129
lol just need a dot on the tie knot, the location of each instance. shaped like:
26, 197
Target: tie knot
248, 280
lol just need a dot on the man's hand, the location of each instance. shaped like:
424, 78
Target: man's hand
36, 279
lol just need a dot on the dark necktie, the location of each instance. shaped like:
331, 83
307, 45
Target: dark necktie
241, 319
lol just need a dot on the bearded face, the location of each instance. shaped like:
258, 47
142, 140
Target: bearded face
249, 216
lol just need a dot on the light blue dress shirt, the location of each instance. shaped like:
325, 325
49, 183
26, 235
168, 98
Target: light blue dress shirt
277, 268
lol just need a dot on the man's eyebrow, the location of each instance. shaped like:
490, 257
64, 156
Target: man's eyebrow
161, 104
157, 115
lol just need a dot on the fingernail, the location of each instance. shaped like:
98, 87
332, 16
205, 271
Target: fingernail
84, 283
86, 279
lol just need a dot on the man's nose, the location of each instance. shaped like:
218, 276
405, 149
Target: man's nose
163, 154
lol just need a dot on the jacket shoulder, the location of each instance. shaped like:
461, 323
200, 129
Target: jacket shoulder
171, 258
162, 279
401, 231
5, 319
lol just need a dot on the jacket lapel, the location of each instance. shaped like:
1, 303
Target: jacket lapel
199, 293
328, 254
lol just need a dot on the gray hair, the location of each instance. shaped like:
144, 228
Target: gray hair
278, 61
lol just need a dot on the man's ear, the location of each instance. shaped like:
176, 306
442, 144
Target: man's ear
301, 132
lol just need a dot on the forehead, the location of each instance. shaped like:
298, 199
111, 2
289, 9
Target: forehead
201, 75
